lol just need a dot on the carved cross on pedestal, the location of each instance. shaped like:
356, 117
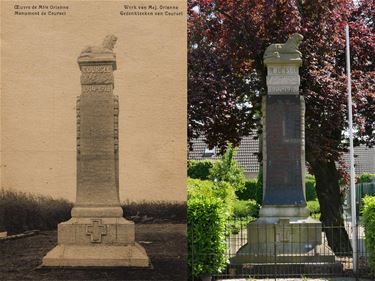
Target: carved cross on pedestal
96, 230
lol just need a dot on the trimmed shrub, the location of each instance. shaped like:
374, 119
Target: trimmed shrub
199, 169
221, 190
206, 235
245, 208
198, 187
369, 225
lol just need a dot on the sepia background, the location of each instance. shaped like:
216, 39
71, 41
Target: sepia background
40, 80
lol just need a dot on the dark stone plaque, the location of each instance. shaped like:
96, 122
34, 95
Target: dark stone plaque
284, 170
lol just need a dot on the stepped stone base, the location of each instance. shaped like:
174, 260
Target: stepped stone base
291, 270
282, 240
96, 242
97, 256
243, 257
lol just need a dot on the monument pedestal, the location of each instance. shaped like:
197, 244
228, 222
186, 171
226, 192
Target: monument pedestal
97, 235
97, 242
282, 240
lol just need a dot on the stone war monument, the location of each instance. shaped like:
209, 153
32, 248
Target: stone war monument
284, 231
97, 234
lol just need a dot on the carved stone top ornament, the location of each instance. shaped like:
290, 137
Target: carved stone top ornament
102, 54
284, 53
106, 47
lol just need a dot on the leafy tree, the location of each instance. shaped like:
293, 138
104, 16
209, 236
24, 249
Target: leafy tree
228, 170
227, 39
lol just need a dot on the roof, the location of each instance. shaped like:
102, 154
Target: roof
247, 159
364, 159
246, 156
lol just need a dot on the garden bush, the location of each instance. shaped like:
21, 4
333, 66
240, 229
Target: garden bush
197, 187
314, 209
245, 208
313, 206
199, 169
206, 235
366, 177
23, 211
228, 170
220, 190
251, 191
369, 225
310, 188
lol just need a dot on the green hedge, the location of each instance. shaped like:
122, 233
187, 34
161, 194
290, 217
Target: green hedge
210, 189
199, 169
254, 190
310, 188
246, 208
23, 211
155, 211
369, 225
206, 235
366, 177
314, 209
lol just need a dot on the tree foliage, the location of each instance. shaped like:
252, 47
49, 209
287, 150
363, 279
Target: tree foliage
228, 170
227, 40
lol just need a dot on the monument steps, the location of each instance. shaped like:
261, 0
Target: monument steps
287, 270
97, 256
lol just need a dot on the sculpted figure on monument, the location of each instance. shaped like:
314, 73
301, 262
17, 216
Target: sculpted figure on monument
289, 48
106, 47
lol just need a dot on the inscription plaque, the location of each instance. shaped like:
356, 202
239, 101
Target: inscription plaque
284, 184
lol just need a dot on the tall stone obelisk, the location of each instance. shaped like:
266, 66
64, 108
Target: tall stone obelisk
284, 231
97, 234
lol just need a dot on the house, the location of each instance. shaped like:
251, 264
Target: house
247, 158
364, 159
246, 154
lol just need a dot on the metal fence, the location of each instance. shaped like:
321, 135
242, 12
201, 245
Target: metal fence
281, 250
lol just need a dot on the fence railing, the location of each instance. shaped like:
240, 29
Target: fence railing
284, 250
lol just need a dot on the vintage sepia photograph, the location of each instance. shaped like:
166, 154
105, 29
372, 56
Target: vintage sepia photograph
93, 140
